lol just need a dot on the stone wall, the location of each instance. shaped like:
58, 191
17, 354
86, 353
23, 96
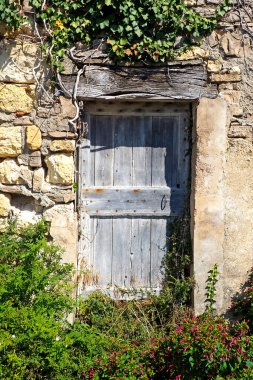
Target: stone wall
228, 55
37, 167
37, 152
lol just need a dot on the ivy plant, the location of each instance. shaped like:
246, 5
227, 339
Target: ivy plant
134, 30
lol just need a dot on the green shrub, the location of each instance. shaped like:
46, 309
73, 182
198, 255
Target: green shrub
200, 348
36, 341
121, 321
35, 295
109, 339
205, 347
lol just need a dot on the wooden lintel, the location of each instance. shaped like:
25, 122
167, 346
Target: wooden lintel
177, 81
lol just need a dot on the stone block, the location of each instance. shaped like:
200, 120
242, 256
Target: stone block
226, 77
26, 175
193, 53
35, 159
213, 39
15, 98
17, 60
240, 131
231, 96
43, 112
38, 180
60, 169
64, 229
61, 135
10, 172
63, 197
236, 109
10, 141
214, 66
62, 145
23, 159
5, 204
33, 137
208, 208
232, 45
58, 211
68, 108
25, 120
6, 118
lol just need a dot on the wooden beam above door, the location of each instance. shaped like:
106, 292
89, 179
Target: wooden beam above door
175, 82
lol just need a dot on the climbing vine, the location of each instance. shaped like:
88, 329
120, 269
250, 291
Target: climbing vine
133, 30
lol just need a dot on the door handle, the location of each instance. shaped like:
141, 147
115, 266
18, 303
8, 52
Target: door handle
163, 202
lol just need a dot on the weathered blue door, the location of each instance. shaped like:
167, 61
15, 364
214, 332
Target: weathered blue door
134, 174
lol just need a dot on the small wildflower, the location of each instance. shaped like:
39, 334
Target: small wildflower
59, 24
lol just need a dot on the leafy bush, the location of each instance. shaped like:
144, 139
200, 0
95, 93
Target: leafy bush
205, 347
36, 341
199, 348
35, 300
108, 339
177, 280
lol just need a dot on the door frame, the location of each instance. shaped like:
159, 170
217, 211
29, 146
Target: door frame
207, 206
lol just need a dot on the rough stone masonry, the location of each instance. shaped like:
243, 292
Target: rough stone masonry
38, 150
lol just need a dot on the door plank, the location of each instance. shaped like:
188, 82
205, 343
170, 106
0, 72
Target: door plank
140, 253
158, 249
121, 269
92, 135
104, 151
123, 141
142, 151
102, 246
162, 148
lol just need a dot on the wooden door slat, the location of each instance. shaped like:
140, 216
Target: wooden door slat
162, 148
102, 245
140, 253
138, 201
159, 246
142, 151
121, 270
123, 140
103, 151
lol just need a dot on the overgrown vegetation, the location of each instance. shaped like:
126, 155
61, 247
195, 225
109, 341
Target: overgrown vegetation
108, 339
211, 282
134, 30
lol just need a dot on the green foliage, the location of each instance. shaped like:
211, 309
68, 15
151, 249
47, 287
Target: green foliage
177, 281
135, 30
108, 339
211, 282
121, 321
10, 13
35, 300
198, 348
36, 341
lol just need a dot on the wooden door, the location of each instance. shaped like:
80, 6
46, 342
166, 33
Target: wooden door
134, 179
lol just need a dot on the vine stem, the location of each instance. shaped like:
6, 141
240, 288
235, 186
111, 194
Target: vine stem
74, 98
